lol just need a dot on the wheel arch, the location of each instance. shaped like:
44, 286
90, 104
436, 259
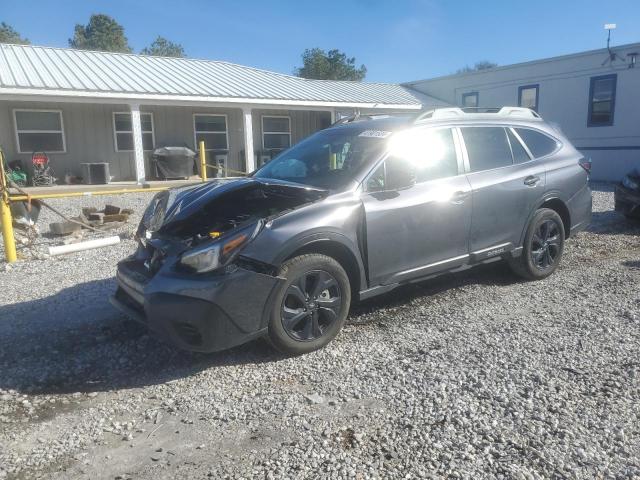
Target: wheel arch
340, 253
558, 206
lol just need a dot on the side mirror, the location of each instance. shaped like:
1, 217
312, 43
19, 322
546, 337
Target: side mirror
399, 175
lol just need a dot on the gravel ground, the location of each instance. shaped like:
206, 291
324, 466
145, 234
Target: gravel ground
473, 375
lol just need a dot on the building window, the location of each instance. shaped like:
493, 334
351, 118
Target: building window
602, 100
528, 97
123, 131
212, 130
276, 132
39, 130
470, 100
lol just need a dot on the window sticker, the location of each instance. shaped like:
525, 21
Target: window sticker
374, 134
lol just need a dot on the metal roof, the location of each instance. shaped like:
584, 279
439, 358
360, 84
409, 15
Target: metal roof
67, 72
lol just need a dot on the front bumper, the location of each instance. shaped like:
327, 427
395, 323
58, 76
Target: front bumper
627, 201
203, 313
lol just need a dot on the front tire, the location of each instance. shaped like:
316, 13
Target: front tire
311, 306
543, 246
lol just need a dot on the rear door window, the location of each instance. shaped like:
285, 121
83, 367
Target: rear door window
487, 147
538, 143
520, 155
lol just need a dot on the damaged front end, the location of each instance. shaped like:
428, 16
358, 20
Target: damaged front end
188, 280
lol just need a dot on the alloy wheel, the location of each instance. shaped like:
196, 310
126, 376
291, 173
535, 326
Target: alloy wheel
545, 244
311, 305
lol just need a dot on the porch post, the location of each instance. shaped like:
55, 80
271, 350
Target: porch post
248, 139
333, 116
137, 143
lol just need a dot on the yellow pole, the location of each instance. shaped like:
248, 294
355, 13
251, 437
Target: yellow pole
5, 216
203, 162
39, 196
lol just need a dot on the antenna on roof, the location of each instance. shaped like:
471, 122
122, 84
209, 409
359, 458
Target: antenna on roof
613, 56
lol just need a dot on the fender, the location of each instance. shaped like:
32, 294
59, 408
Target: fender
308, 238
550, 195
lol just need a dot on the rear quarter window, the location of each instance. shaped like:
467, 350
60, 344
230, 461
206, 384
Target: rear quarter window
539, 144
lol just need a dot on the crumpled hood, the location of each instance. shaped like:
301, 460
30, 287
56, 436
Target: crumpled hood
224, 199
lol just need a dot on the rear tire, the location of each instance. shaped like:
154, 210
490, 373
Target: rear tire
543, 246
311, 306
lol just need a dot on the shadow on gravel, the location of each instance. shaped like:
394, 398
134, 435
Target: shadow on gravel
612, 223
74, 341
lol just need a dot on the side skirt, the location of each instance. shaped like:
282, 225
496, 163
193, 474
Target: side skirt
486, 255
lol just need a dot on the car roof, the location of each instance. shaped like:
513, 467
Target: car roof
516, 116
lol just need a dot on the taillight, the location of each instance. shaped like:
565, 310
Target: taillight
586, 164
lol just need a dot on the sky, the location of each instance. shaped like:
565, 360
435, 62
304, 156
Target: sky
398, 41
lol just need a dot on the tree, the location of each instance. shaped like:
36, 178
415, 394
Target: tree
9, 35
161, 47
101, 33
481, 65
332, 65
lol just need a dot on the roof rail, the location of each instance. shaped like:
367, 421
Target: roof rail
366, 116
467, 112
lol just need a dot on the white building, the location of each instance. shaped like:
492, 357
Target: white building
81, 106
595, 101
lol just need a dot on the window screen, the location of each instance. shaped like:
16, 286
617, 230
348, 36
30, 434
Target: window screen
212, 129
470, 99
528, 97
538, 143
487, 147
124, 131
520, 155
602, 99
39, 131
276, 132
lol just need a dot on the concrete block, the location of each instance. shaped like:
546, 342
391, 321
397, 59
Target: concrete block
64, 228
111, 210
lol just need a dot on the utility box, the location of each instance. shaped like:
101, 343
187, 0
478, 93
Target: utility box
220, 160
95, 173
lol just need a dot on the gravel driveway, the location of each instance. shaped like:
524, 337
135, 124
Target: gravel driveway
473, 375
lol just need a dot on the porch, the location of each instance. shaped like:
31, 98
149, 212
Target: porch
124, 135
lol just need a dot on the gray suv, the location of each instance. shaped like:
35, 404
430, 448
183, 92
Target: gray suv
351, 212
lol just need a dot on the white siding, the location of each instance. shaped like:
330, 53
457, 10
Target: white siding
564, 99
89, 133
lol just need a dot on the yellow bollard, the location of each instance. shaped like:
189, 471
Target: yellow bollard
5, 216
7, 230
203, 161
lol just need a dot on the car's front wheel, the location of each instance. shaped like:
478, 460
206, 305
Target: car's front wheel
543, 246
311, 306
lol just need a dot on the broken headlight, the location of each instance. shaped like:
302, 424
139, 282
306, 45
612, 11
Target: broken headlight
216, 254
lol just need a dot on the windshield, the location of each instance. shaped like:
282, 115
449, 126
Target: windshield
328, 159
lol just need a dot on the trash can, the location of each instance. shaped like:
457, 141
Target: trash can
95, 173
173, 162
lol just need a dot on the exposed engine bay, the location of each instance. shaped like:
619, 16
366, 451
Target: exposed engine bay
217, 208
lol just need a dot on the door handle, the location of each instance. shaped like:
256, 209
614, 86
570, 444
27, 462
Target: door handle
531, 180
459, 197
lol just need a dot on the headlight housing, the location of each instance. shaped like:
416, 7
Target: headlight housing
220, 252
630, 184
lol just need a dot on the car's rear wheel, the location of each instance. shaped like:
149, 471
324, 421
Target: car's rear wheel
311, 306
543, 246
